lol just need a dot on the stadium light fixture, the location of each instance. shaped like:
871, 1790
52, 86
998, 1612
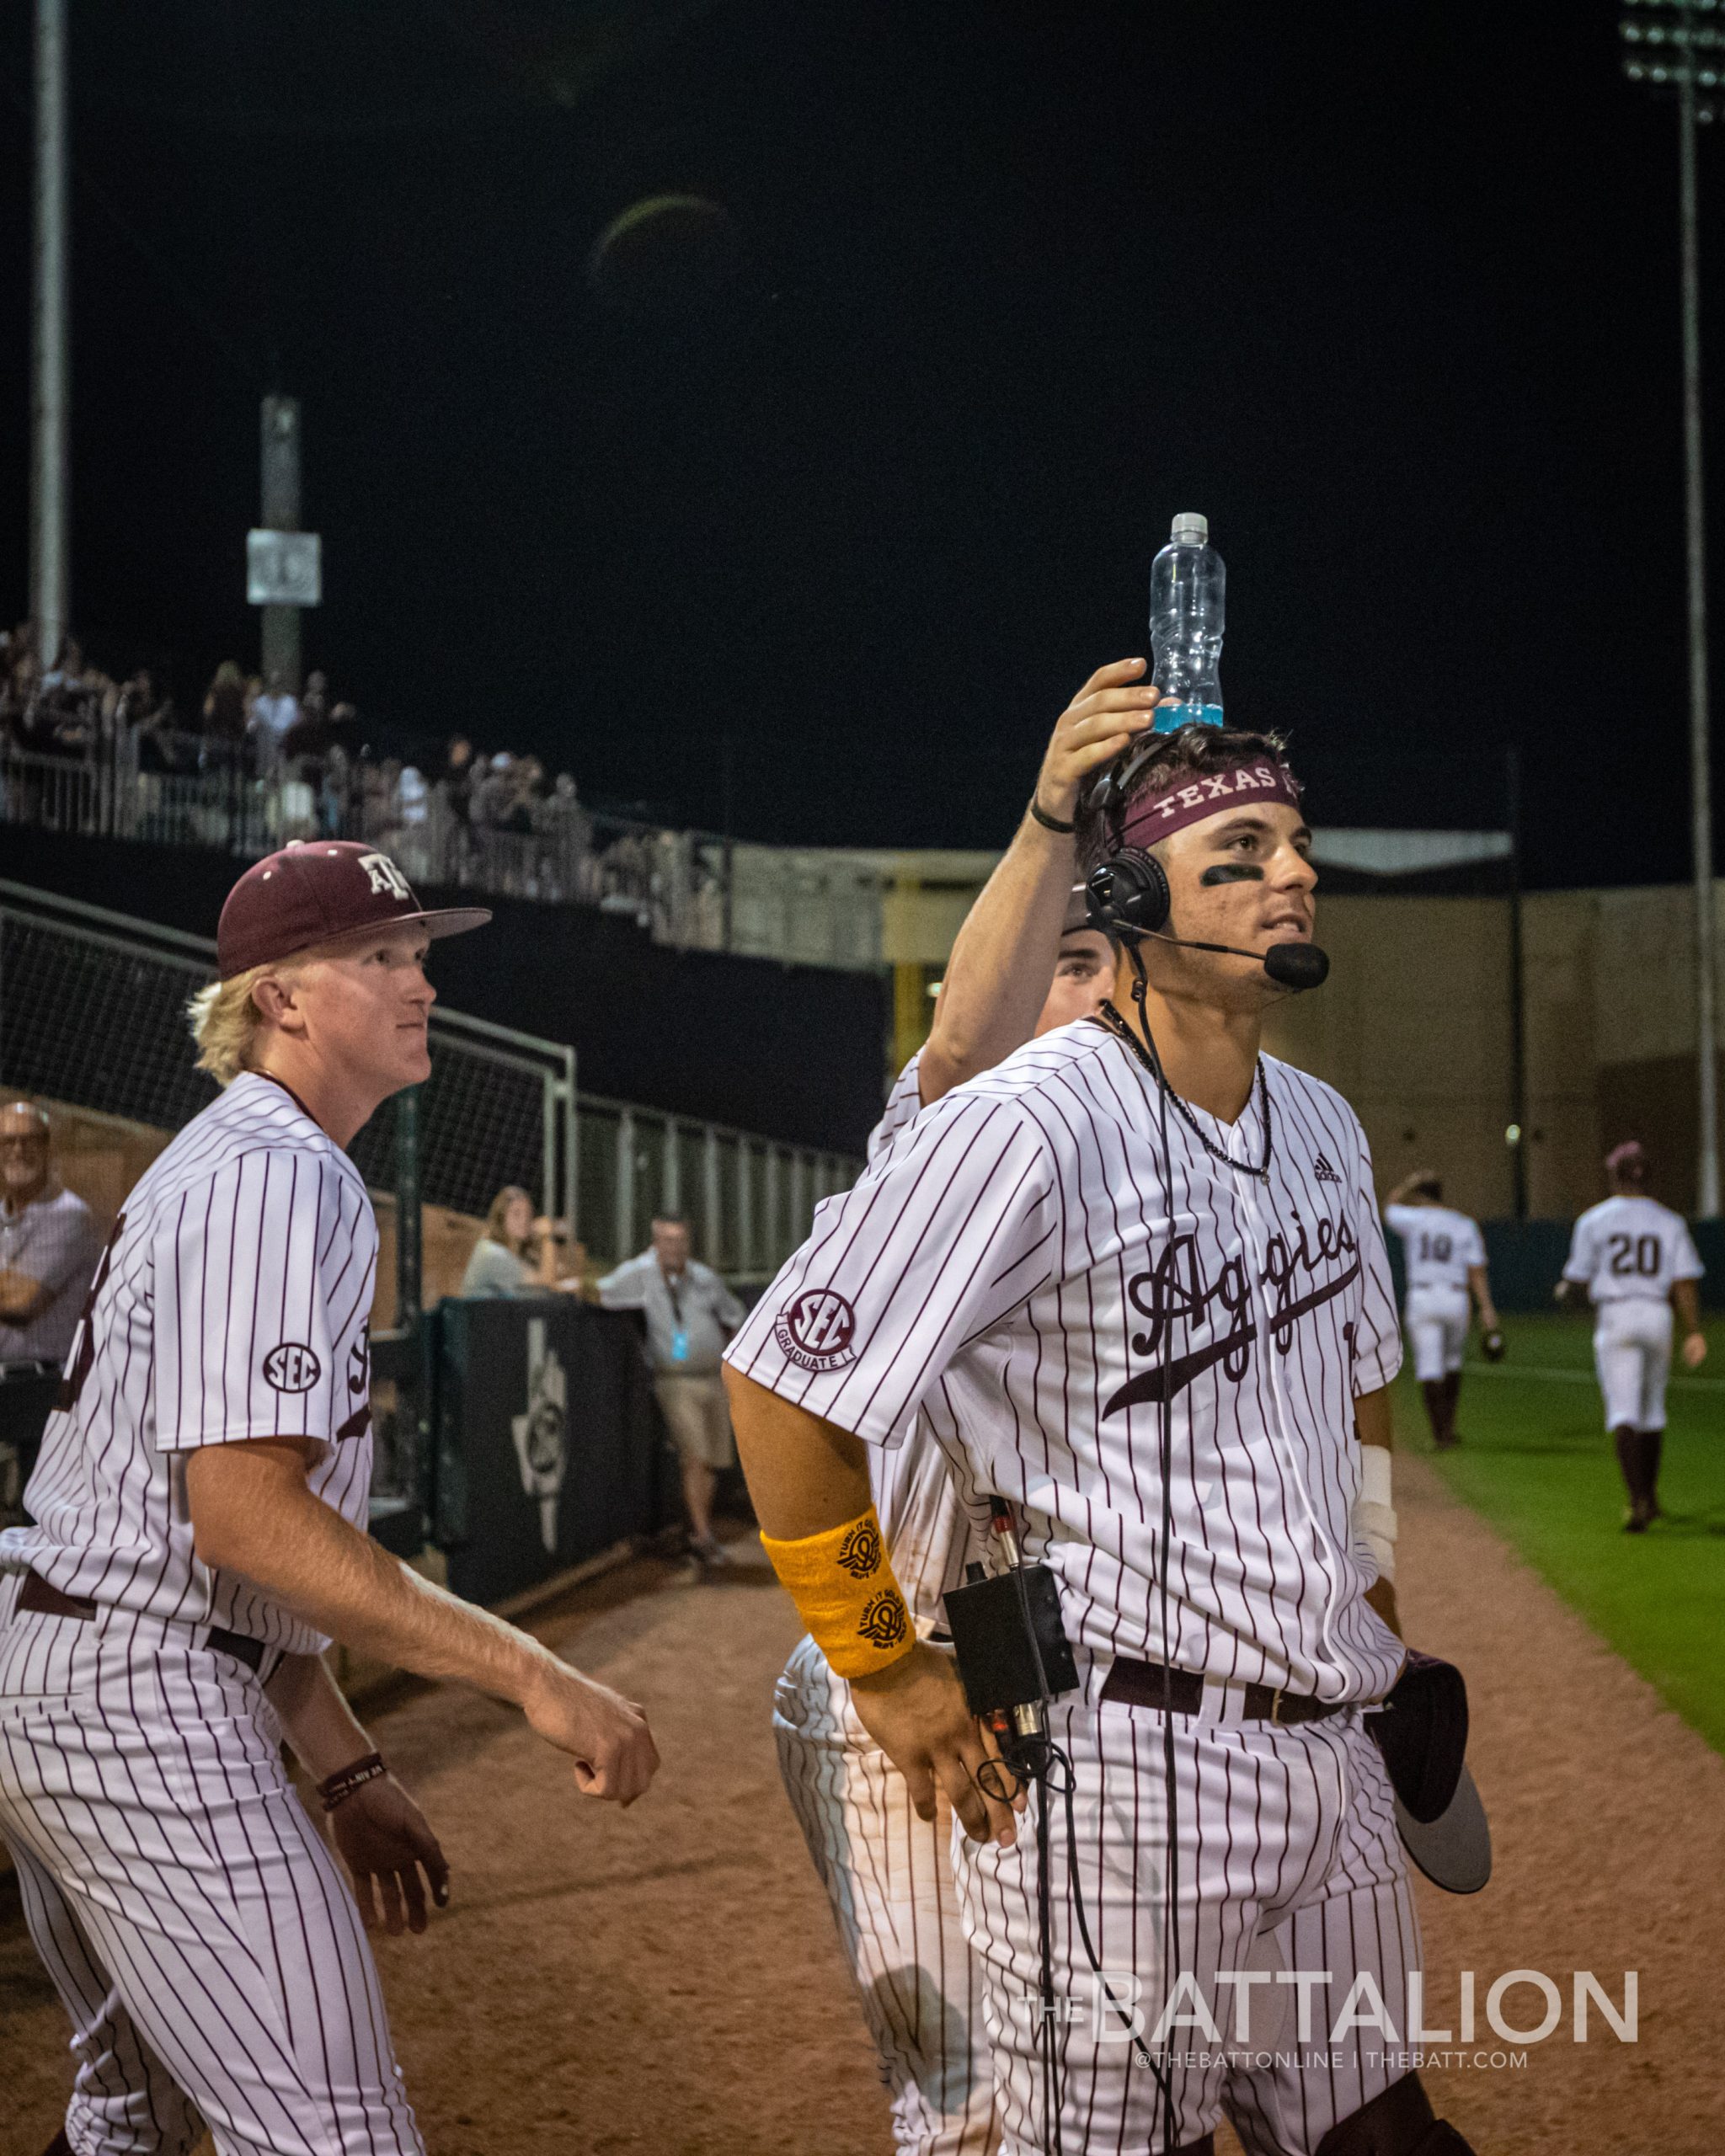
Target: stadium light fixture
1678, 47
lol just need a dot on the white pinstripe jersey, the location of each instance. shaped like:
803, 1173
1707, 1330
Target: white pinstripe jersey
1011, 1269
927, 1528
233, 1301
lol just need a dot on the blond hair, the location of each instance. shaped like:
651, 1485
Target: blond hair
225, 1021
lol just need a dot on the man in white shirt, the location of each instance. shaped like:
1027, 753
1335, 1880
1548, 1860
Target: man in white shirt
690, 1315
1444, 1255
1636, 1261
273, 714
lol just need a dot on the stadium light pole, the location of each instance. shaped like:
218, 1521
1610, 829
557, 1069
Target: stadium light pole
50, 368
1666, 45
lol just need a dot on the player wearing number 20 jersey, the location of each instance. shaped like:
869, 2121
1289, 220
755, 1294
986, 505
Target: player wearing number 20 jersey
1635, 1259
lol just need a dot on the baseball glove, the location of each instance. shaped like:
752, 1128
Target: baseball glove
1491, 1346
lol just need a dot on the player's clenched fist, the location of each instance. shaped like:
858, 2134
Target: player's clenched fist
605, 1734
1111, 710
915, 1710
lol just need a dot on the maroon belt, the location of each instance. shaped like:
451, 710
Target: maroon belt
1149, 1685
46, 1600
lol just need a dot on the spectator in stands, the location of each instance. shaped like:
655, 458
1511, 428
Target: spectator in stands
275, 714
60, 720
567, 831
67, 670
456, 779
333, 778
378, 799
517, 1252
494, 791
23, 671
48, 1244
314, 702
690, 1314
307, 742
225, 706
148, 720
345, 730
410, 815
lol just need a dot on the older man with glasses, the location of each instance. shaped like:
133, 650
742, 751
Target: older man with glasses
48, 1248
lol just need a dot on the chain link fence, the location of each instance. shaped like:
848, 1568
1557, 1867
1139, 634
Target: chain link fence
92, 1015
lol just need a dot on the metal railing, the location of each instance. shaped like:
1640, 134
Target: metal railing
91, 1014
694, 890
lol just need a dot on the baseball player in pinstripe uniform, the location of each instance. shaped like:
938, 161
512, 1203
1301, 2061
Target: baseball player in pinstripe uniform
1637, 1262
201, 1500
1125, 1221
887, 1872
1443, 1253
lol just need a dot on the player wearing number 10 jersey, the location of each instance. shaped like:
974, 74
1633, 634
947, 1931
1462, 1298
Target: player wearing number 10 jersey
1636, 1259
1443, 1255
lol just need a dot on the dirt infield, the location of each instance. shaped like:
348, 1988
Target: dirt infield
667, 1980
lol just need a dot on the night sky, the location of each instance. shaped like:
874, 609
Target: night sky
1389, 292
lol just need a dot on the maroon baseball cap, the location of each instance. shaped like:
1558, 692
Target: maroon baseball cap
315, 890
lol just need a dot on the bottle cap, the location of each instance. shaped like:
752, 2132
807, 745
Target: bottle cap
1191, 530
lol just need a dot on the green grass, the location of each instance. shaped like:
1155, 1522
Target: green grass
1536, 1462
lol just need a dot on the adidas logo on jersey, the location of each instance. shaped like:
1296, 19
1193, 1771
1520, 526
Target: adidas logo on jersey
1324, 1172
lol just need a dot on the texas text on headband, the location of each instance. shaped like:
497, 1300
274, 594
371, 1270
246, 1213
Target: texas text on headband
1153, 816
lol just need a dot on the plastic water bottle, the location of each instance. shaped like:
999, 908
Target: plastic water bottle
1188, 587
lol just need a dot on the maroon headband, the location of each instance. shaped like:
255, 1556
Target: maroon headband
1153, 816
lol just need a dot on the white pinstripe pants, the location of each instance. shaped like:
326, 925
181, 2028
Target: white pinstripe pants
203, 1940
888, 1876
1289, 1861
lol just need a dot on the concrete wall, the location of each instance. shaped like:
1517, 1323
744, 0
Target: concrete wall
1413, 1027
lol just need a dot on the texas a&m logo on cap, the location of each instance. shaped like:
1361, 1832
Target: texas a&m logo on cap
387, 879
817, 1331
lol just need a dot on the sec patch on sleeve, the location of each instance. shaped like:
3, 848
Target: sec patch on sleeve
291, 1367
817, 1331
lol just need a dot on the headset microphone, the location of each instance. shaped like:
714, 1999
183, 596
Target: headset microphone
1297, 965
1128, 898
1292, 966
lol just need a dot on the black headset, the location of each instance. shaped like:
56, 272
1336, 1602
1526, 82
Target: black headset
1127, 895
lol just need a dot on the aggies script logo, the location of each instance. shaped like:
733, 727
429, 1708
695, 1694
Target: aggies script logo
817, 1331
1175, 1287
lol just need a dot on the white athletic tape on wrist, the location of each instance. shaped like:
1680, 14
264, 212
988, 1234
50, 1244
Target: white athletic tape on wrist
1374, 1515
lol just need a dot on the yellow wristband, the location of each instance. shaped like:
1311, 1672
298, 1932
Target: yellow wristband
845, 1594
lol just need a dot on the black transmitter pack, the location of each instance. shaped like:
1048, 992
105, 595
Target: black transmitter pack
1010, 1647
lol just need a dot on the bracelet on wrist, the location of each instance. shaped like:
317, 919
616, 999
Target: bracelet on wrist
337, 1788
1039, 815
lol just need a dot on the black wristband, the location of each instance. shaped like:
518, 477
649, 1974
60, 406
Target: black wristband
335, 1789
1040, 814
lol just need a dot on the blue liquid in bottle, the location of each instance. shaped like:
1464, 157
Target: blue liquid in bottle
1188, 593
